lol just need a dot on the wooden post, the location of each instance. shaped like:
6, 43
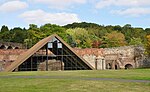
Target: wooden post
46, 57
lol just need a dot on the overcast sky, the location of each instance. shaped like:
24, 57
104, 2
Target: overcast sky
21, 13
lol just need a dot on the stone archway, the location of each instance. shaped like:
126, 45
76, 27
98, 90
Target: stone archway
16, 47
108, 66
2, 47
116, 67
128, 66
10, 47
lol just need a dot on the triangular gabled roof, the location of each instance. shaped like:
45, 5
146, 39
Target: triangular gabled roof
23, 57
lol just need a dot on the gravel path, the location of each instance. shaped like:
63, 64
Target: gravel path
77, 78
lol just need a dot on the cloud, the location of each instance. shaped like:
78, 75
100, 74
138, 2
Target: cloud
59, 4
126, 3
41, 17
134, 12
13, 6
132, 8
104, 3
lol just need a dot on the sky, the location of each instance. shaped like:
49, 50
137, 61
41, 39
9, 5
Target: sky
21, 13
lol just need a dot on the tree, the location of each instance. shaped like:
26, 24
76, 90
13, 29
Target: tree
148, 45
117, 27
114, 39
33, 26
5, 34
4, 29
18, 35
34, 35
49, 29
147, 30
135, 41
127, 26
81, 37
81, 25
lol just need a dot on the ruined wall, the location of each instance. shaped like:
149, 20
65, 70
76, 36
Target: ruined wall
126, 55
146, 62
109, 58
115, 58
11, 45
9, 56
120, 56
90, 55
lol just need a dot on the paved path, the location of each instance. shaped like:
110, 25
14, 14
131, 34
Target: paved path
77, 78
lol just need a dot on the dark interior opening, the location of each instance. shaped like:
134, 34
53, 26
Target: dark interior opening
2, 47
128, 66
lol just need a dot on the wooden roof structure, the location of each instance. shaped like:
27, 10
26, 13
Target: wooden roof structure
24, 56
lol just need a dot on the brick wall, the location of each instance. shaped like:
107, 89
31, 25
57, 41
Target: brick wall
123, 55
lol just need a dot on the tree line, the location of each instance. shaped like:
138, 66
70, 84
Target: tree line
81, 35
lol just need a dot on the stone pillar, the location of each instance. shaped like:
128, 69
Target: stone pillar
1, 66
103, 64
98, 64
113, 64
136, 63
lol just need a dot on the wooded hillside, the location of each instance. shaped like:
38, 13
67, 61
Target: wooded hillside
82, 35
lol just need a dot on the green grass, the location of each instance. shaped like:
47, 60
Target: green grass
72, 82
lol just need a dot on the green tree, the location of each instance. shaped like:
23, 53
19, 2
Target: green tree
18, 35
118, 28
49, 29
148, 45
147, 30
4, 29
5, 36
114, 39
135, 41
33, 35
80, 36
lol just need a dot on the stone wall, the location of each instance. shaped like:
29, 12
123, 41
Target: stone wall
9, 56
11, 45
90, 55
118, 57
133, 55
115, 58
146, 62
107, 58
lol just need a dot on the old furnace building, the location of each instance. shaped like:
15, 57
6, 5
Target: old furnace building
52, 53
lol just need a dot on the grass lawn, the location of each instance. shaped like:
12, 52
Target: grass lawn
75, 81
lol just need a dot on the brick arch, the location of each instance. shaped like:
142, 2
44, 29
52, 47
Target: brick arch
128, 66
2, 47
9, 47
16, 48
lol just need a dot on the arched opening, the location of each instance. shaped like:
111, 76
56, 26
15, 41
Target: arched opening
9, 47
2, 47
116, 67
108, 66
128, 66
16, 47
